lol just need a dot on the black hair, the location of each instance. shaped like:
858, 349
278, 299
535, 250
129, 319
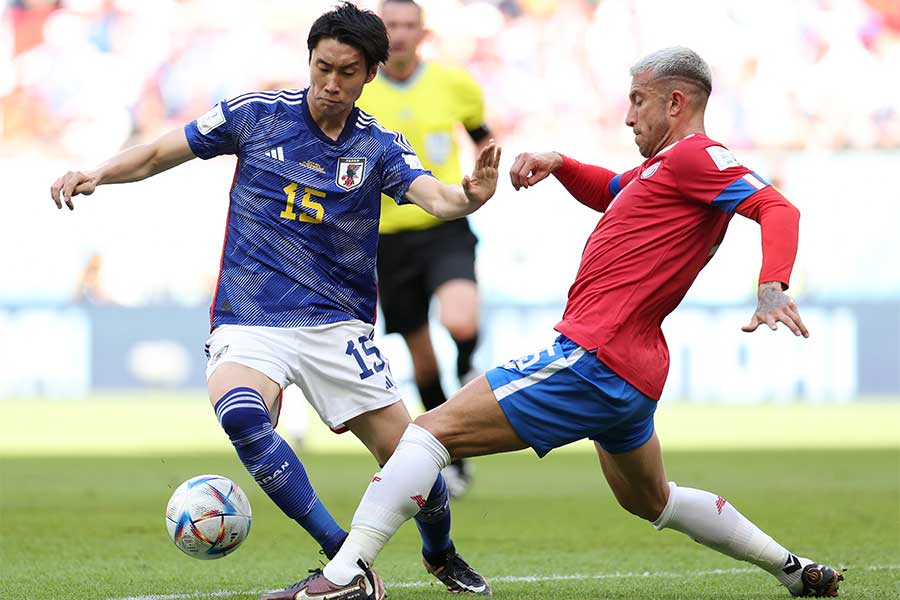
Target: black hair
348, 24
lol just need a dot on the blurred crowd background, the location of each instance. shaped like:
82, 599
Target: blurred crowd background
799, 75
806, 92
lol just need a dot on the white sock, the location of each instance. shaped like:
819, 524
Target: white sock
394, 496
715, 523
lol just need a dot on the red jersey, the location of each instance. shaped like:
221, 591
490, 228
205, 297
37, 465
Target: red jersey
663, 222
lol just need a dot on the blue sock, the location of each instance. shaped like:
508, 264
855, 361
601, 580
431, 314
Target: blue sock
433, 522
274, 466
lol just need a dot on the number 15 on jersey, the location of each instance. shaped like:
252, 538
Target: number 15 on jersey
306, 201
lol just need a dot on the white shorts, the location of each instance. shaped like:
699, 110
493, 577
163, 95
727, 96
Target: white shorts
337, 366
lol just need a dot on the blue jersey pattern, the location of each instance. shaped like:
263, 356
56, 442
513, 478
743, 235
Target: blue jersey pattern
302, 231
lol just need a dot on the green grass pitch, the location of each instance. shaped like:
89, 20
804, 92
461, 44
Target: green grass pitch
92, 527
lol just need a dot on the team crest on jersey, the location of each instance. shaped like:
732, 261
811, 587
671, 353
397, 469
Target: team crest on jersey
649, 171
350, 172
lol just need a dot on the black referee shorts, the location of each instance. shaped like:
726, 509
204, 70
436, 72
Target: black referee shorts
413, 264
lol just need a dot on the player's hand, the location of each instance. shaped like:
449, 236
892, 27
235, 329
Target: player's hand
482, 183
775, 306
531, 167
72, 184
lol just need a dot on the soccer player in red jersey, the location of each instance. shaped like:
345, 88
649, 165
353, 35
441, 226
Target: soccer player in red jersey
601, 378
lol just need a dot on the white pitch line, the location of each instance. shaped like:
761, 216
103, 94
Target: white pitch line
507, 579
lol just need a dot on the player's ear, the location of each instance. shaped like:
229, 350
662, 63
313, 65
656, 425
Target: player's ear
372, 73
677, 102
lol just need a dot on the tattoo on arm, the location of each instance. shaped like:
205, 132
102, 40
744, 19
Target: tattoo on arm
771, 299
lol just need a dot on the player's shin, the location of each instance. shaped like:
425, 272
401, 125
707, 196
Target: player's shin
715, 523
395, 495
432, 393
433, 521
465, 349
275, 466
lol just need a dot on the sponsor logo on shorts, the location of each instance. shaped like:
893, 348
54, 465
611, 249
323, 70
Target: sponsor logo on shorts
218, 355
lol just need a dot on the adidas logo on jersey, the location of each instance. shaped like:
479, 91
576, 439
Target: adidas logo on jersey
276, 153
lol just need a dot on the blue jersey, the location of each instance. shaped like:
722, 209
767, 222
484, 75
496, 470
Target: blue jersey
302, 230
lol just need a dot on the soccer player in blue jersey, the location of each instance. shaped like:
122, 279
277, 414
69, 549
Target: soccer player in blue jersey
295, 299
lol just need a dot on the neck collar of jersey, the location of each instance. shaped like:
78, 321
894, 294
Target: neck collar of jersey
670, 146
349, 125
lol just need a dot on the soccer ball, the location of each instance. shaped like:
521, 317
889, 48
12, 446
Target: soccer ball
208, 517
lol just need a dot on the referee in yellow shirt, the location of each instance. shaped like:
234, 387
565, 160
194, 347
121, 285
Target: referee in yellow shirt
420, 256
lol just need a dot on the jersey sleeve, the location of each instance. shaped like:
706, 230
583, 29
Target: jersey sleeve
215, 133
593, 186
400, 167
713, 175
471, 105
779, 221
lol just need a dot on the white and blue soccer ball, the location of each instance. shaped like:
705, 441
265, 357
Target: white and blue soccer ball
208, 517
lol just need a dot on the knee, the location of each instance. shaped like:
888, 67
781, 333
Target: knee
240, 410
430, 422
425, 421
460, 327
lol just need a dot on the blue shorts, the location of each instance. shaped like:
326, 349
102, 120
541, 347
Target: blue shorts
564, 394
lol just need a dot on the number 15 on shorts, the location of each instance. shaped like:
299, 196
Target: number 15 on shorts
360, 350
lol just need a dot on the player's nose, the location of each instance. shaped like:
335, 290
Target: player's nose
631, 115
332, 85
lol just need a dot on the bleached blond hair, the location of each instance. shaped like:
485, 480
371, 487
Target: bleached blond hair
676, 62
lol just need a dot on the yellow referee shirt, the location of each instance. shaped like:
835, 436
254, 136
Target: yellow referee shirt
425, 108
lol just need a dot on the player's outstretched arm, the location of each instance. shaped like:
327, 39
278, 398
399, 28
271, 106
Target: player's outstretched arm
779, 223
134, 164
531, 167
455, 201
775, 306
